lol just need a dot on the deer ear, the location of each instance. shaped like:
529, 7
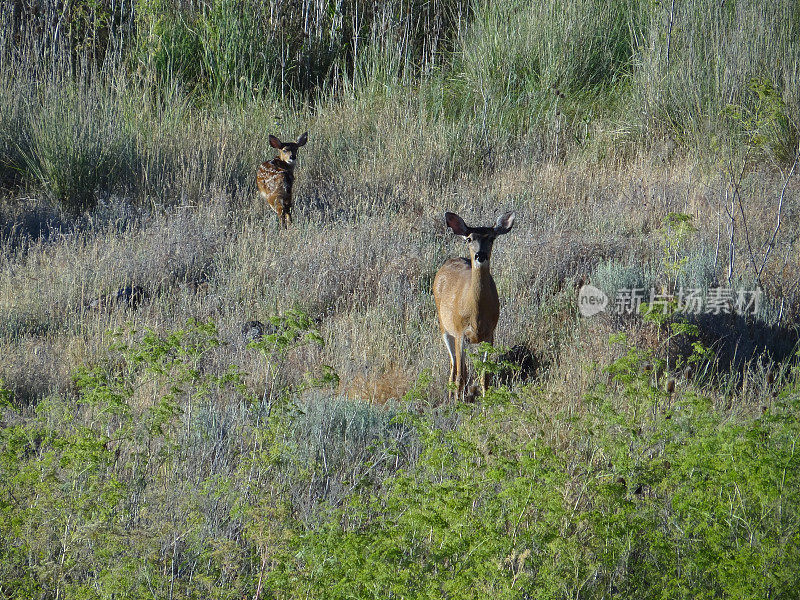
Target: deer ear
504, 223
301, 141
456, 223
275, 142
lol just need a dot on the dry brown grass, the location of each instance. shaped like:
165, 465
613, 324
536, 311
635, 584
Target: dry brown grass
390, 383
369, 237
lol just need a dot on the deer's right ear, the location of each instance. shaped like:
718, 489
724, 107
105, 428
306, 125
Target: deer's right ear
275, 142
301, 141
504, 223
456, 223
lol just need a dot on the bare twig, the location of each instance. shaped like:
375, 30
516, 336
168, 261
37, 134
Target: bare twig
731, 231
719, 236
771, 243
758, 270
669, 31
264, 556
737, 196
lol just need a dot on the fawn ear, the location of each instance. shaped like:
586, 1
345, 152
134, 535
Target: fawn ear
301, 141
504, 223
456, 223
275, 142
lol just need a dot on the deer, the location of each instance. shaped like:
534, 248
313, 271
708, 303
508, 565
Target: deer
466, 297
275, 178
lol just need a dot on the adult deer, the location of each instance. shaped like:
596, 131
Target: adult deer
275, 177
466, 295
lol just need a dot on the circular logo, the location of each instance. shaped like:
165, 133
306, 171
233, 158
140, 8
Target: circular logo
591, 301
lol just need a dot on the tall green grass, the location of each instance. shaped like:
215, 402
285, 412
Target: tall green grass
242, 47
726, 72
106, 100
518, 63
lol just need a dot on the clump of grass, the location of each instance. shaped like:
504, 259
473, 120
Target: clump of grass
679, 89
72, 144
519, 50
614, 275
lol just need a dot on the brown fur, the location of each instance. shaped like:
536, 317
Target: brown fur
275, 178
466, 295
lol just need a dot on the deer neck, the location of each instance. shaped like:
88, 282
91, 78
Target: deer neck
477, 303
480, 280
282, 165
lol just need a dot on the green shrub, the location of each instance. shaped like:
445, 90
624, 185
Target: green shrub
652, 496
78, 477
613, 275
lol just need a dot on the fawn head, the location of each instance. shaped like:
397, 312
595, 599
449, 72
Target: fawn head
479, 239
288, 150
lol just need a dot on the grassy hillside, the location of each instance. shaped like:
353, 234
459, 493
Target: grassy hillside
151, 446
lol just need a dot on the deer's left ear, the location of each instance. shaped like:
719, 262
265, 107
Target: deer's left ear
504, 223
275, 142
456, 223
301, 141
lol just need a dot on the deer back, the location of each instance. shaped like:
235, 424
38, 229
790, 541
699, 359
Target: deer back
275, 179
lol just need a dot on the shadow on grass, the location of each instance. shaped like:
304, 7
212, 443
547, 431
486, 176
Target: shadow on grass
738, 340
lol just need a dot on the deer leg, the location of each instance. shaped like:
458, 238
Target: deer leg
461, 370
485, 374
279, 212
282, 216
450, 343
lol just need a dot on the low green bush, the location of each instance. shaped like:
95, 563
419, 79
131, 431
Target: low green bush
653, 495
